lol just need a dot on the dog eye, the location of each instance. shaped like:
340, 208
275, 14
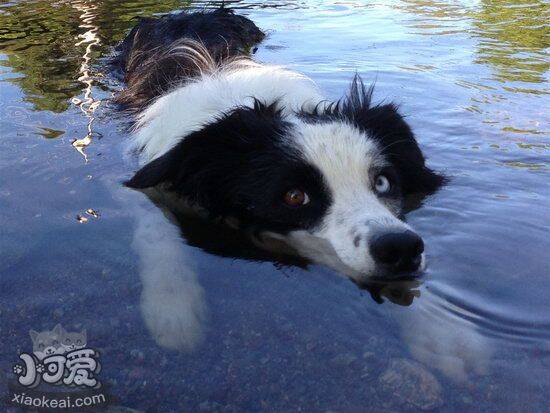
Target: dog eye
382, 184
296, 198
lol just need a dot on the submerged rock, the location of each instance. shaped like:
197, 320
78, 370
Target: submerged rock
411, 385
343, 360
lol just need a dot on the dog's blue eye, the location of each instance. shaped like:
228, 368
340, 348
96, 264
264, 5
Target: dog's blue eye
382, 184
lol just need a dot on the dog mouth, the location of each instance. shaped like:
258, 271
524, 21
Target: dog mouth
385, 274
392, 277
401, 291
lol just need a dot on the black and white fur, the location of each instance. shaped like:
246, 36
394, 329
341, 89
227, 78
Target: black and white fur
229, 137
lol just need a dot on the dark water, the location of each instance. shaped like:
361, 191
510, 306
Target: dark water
472, 335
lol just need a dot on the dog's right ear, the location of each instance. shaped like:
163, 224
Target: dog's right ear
157, 171
198, 163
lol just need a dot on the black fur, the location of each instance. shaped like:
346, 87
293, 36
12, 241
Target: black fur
387, 126
150, 68
240, 166
219, 239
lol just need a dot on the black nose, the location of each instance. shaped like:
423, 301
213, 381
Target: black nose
398, 251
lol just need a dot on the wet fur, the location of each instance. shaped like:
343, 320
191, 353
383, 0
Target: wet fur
162, 53
229, 136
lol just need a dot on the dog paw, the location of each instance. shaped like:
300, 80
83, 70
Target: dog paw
175, 321
460, 353
40, 368
18, 369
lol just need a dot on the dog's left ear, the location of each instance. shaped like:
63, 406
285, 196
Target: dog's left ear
396, 139
398, 144
157, 171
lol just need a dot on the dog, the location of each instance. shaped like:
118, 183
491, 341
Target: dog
259, 147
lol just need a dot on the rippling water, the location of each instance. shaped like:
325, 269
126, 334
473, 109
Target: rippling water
472, 335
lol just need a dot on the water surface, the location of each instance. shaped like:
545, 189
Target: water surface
472, 79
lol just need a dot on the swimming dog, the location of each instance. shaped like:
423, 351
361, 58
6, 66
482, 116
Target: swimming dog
259, 146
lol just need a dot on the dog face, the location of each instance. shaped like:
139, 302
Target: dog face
332, 183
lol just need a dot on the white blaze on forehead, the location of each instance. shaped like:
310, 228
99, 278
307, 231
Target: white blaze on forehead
345, 156
341, 152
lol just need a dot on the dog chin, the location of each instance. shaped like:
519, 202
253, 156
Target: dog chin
315, 249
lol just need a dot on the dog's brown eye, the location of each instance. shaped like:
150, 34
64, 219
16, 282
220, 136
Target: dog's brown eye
296, 198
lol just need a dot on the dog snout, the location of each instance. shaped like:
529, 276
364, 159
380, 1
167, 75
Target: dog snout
397, 251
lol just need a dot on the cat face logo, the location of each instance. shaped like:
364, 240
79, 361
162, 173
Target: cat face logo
59, 356
56, 341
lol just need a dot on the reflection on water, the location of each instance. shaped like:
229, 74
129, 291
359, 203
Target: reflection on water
472, 77
438, 17
514, 39
88, 104
42, 53
513, 36
510, 45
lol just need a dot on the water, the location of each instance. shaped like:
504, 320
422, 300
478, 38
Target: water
472, 78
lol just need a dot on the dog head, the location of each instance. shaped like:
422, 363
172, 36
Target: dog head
333, 183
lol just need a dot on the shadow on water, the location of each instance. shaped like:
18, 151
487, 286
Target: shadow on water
472, 335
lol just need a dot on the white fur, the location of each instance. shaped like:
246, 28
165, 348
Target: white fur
188, 108
172, 302
460, 353
345, 156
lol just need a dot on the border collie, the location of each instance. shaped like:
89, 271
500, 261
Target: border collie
261, 148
